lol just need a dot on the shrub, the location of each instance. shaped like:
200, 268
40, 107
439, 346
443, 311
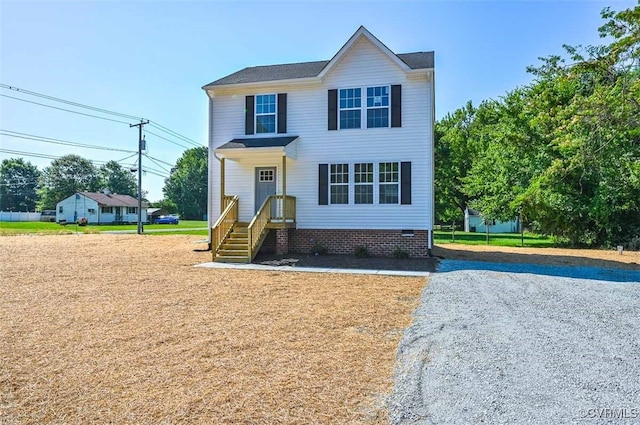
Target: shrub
399, 253
634, 244
318, 249
361, 252
82, 221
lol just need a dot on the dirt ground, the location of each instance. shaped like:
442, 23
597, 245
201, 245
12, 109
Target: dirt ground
122, 329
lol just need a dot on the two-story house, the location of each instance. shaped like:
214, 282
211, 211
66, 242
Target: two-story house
335, 154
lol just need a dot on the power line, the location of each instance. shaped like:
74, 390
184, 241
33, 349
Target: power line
96, 109
46, 156
173, 133
63, 109
68, 102
42, 139
164, 138
159, 161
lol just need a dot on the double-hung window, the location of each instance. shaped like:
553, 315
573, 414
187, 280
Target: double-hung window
132, 210
266, 113
363, 183
107, 210
388, 182
350, 103
378, 107
339, 184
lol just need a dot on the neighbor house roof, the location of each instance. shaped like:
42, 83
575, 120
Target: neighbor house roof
292, 71
262, 142
113, 199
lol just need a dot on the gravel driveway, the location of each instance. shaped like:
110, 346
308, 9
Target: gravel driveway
539, 347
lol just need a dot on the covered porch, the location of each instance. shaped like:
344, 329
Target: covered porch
247, 215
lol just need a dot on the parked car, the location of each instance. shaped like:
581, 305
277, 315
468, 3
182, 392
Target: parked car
48, 216
167, 219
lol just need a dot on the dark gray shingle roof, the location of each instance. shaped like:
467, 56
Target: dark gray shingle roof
292, 71
113, 199
261, 142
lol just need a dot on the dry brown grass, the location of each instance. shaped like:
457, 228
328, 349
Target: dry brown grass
122, 329
551, 256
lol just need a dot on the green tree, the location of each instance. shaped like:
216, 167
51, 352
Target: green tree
18, 185
64, 177
117, 179
186, 186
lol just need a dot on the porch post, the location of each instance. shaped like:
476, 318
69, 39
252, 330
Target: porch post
221, 185
284, 175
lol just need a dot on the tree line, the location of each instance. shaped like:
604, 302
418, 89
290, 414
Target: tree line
562, 153
23, 187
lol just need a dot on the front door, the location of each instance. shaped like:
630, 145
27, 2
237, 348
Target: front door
118, 213
265, 184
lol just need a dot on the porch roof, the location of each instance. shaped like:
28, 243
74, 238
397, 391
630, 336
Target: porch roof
241, 147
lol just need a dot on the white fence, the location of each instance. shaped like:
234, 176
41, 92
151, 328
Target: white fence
19, 216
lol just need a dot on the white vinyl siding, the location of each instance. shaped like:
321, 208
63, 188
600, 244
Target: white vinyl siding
363, 66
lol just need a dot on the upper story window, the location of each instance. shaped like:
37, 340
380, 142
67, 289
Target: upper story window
265, 113
378, 107
350, 103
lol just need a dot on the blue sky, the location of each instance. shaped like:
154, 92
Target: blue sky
151, 58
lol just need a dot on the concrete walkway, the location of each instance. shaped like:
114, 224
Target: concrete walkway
263, 267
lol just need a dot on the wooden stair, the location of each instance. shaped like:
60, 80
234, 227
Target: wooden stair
235, 248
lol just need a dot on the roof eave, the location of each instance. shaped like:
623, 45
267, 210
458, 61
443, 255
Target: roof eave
261, 83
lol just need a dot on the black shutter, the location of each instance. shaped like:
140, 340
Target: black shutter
248, 114
282, 112
405, 183
396, 106
323, 184
333, 109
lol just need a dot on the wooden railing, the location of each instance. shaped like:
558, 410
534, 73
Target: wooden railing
284, 207
224, 224
258, 226
226, 200
274, 208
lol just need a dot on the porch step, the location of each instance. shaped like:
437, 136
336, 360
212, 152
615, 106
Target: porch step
232, 259
235, 247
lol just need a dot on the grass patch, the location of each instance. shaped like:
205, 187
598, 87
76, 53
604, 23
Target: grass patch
496, 239
18, 227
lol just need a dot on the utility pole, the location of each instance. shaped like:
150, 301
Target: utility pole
141, 142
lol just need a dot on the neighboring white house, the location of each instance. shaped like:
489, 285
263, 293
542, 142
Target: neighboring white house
474, 222
342, 149
100, 208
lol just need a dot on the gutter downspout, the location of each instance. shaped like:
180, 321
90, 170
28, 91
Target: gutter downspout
210, 171
433, 165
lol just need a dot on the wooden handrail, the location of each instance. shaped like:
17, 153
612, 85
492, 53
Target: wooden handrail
226, 200
258, 226
275, 207
224, 224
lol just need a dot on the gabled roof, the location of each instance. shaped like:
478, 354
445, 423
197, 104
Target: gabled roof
113, 199
293, 71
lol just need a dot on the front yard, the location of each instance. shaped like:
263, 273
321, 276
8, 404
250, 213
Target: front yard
122, 329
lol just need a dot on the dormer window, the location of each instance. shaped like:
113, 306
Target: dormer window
265, 113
